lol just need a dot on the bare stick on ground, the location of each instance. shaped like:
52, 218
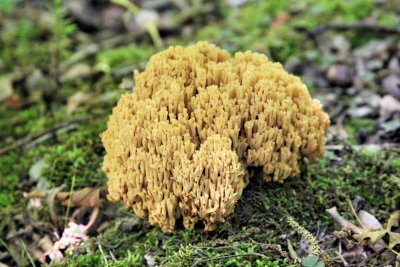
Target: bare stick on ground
68, 125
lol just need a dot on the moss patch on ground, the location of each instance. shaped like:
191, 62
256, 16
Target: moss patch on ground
259, 224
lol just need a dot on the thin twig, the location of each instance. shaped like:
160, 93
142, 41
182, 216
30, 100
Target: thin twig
104, 256
79, 55
26, 140
387, 146
343, 222
360, 26
229, 256
71, 193
263, 245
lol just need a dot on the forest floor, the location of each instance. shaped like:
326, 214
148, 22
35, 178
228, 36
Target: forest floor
63, 67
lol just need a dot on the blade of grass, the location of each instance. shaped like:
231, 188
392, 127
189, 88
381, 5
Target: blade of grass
154, 34
27, 254
71, 193
151, 27
15, 257
355, 213
128, 5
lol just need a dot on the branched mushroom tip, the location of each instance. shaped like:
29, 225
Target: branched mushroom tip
179, 146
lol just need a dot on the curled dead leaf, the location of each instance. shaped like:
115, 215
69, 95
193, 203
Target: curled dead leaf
75, 101
86, 197
368, 220
372, 234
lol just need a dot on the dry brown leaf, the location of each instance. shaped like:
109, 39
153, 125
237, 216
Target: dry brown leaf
369, 221
372, 236
389, 104
373, 233
394, 221
391, 85
394, 242
78, 71
75, 101
280, 20
86, 197
50, 196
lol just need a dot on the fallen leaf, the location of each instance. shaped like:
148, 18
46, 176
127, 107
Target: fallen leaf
393, 222
376, 238
75, 101
145, 17
369, 221
340, 74
6, 88
371, 236
86, 197
280, 20
391, 126
312, 261
77, 71
150, 259
36, 174
50, 196
36, 83
13, 101
391, 85
388, 104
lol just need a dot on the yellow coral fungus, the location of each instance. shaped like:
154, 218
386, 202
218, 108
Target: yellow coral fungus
181, 143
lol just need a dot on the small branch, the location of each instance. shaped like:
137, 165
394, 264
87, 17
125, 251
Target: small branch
387, 146
104, 256
26, 140
227, 257
343, 222
79, 55
361, 26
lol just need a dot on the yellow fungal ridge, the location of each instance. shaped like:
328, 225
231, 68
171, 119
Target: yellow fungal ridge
181, 143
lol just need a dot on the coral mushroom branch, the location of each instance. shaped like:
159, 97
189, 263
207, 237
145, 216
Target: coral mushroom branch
181, 144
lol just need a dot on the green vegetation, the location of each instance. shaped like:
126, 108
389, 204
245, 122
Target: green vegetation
355, 125
260, 217
268, 26
130, 55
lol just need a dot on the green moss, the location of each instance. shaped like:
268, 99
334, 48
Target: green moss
78, 153
18, 45
20, 122
123, 56
182, 248
85, 260
7, 6
265, 206
13, 169
354, 125
253, 23
389, 20
262, 26
359, 174
396, 163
